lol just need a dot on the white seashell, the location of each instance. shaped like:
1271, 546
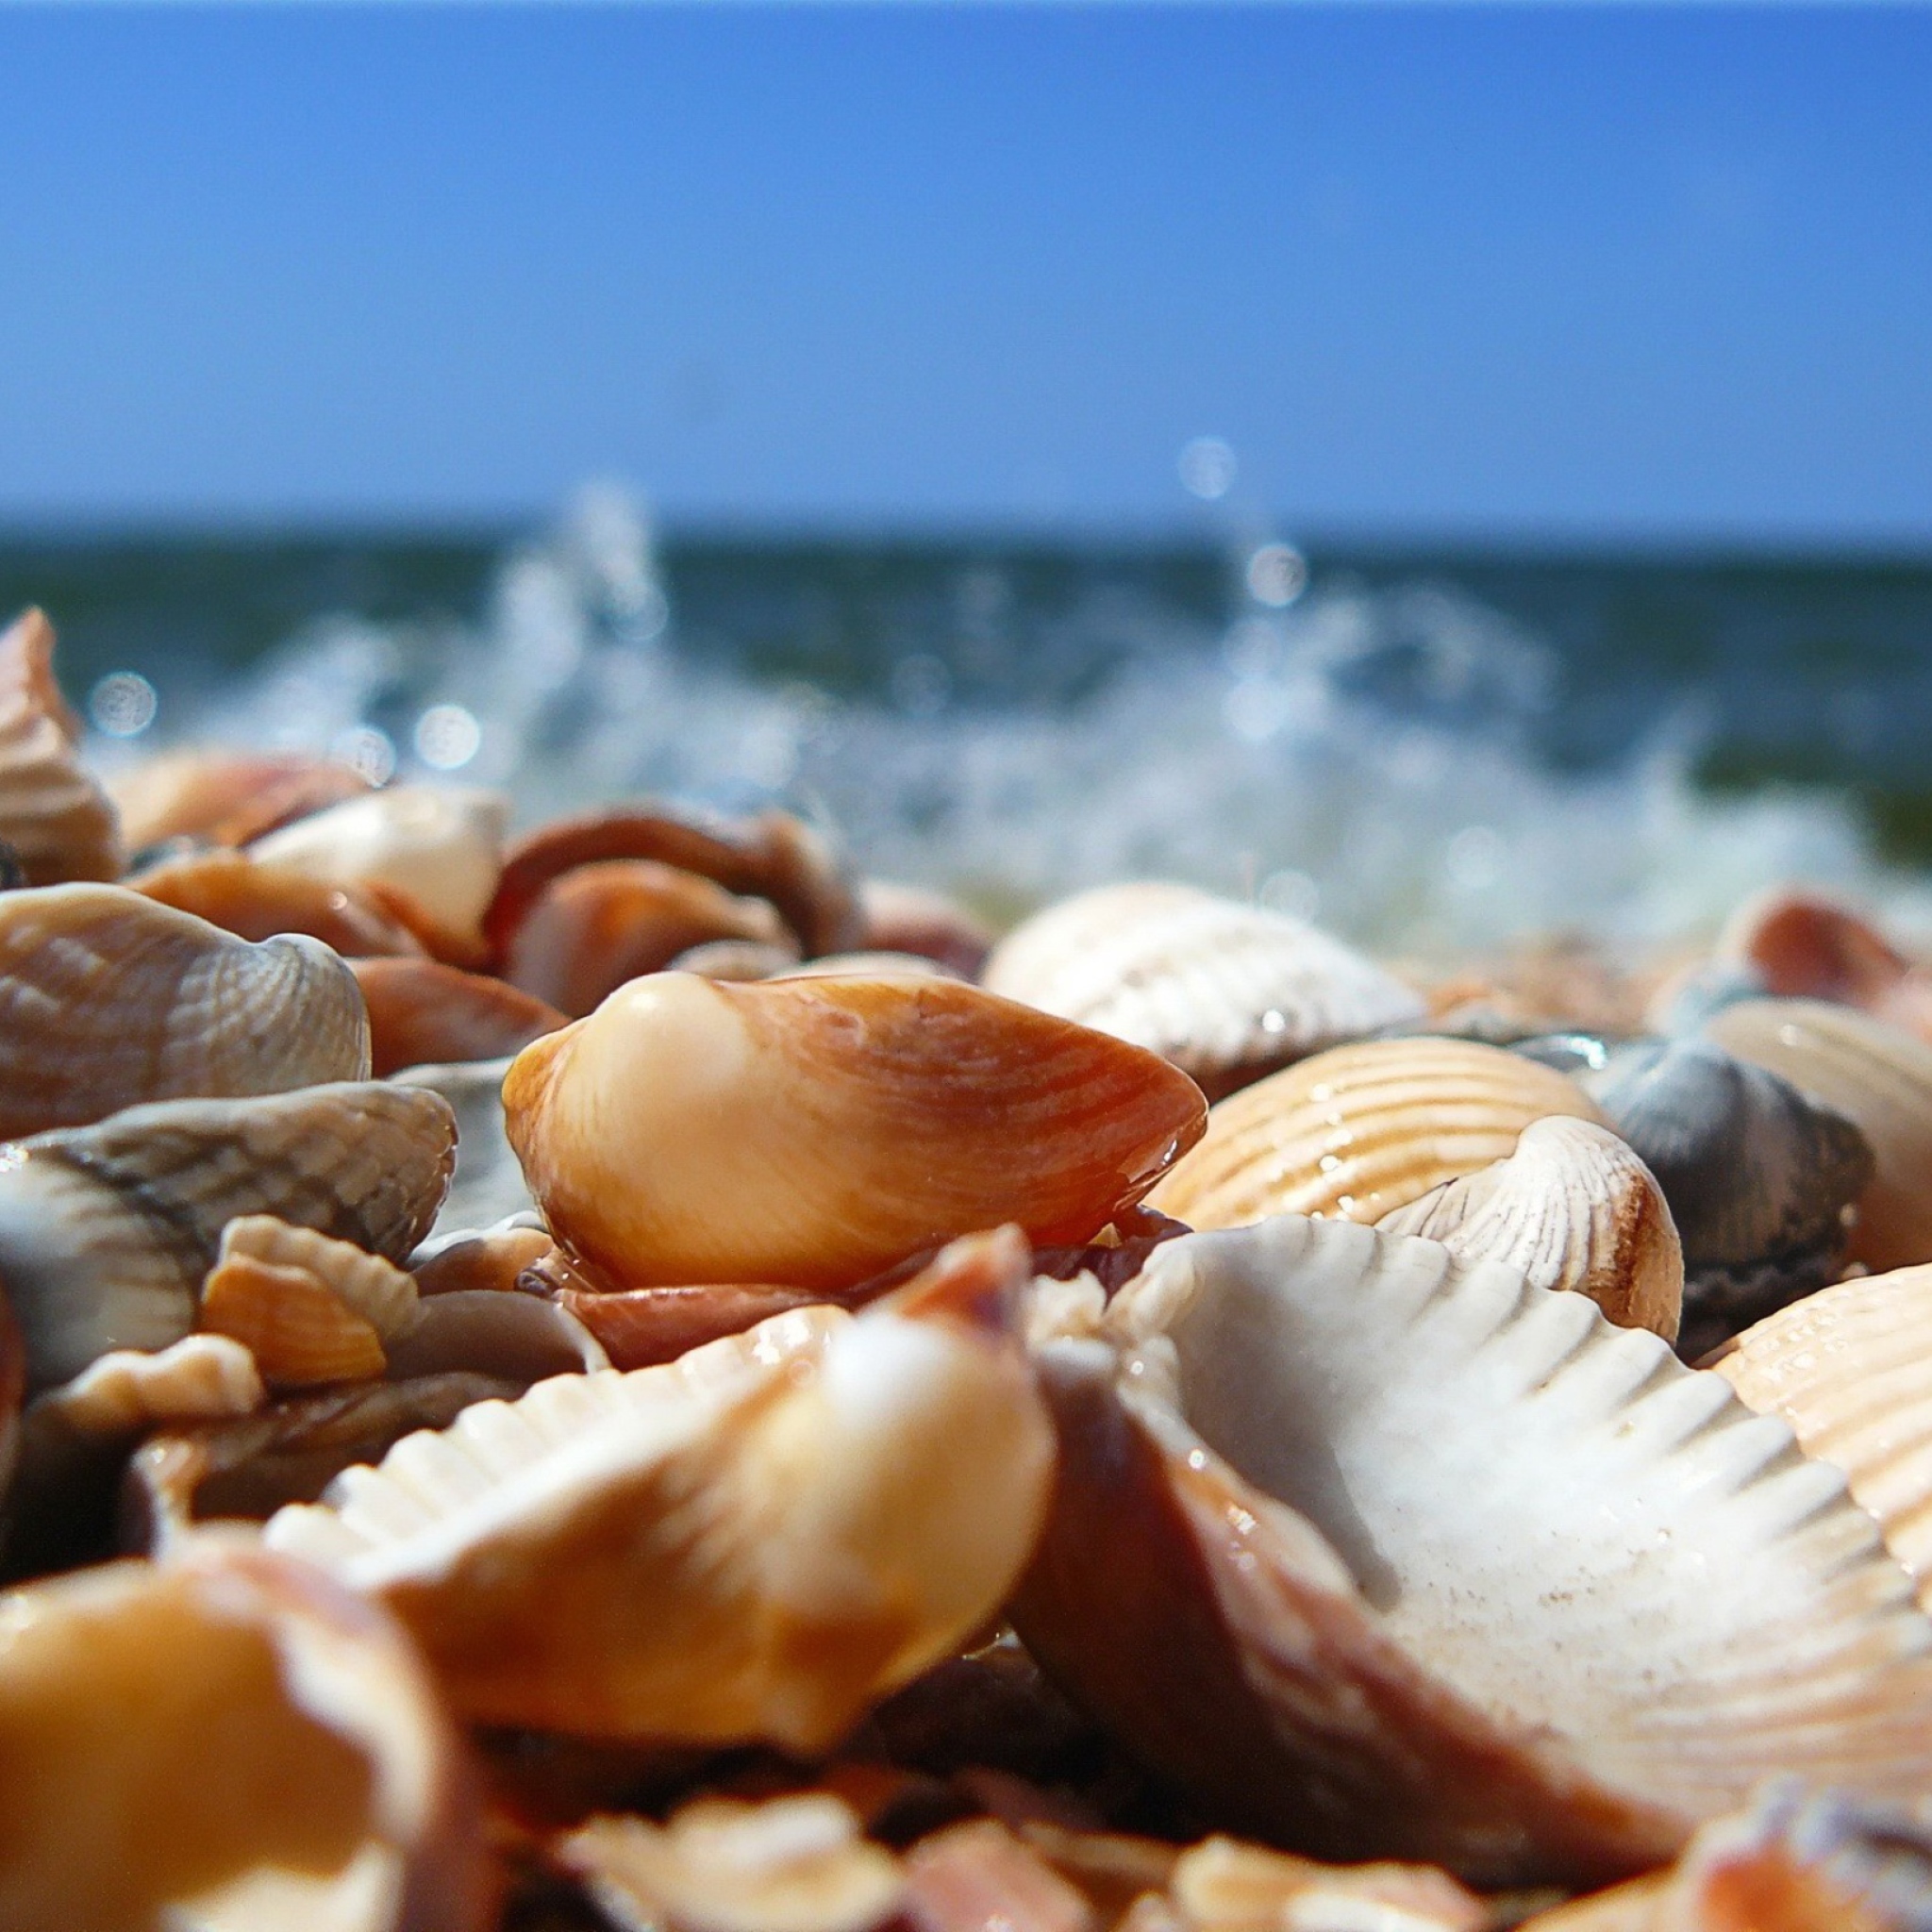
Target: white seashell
199, 1379
54, 815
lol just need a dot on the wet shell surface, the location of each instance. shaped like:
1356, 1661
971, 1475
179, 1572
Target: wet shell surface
287, 1766
1360, 1130
1399, 1557
1571, 1208
811, 1132
256, 902
1226, 992
108, 1000
54, 815
814, 1511
422, 1012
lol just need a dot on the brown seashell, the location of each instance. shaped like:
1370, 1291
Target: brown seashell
1226, 992
912, 919
814, 1511
811, 1132
1402, 1558
979, 1875
54, 815
481, 1258
108, 1000
224, 798
1572, 1208
1361, 1130
736, 959
1222, 1885
225, 1740
421, 1012
106, 1231
1803, 945
515, 1338
642, 1326
255, 902
774, 857
598, 925
1880, 1079
298, 1330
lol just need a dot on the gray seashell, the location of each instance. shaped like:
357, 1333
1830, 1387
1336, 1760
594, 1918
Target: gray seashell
489, 1185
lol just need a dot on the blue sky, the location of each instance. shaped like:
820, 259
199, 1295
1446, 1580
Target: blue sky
1533, 271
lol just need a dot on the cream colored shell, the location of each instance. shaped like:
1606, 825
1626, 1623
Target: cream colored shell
54, 814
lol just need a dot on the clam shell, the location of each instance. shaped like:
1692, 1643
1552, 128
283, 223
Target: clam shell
1226, 992
224, 798
813, 1132
106, 1231
256, 902
814, 1512
1360, 1130
912, 919
489, 1185
422, 1012
225, 1740
1400, 1557
1880, 1079
54, 816
1571, 1208
108, 1000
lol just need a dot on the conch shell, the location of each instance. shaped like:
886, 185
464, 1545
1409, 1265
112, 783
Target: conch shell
255, 902
1361, 1130
811, 1132
108, 1000
53, 814
423, 1012
814, 1512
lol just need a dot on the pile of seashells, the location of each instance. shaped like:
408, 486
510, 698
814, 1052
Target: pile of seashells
617, 1377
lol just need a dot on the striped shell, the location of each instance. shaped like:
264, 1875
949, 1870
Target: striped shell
53, 814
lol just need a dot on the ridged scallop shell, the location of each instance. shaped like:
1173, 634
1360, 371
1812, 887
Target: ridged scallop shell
1880, 1079
912, 919
1396, 1556
1571, 1208
108, 1000
1226, 992
106, 1231
811, 1132
488, 1185
422, 1012
1803, 945
255, 902
814, 1512
1360, 1130
225, 1740
369, 1285
53, 814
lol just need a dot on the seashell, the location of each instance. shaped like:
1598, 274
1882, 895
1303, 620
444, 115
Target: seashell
489, 1185
980, 1874
473, 1259
1222, 1885
433, 850
772, 857
1881, 1080
910, 919
1803, 945
868, 965
811, 1132
224, 798
598, 925
53, 817
106, 1231
108, 1000
12, 1391
793, 1864
814, 1511
368, 1285
515, 1338
1758, 1176
1571, 1208
736, 959
1226, 992
1403, 1558
288, 1764
299, 1331
1359, 1131
422, 1012
256, 902
1850, 1368
640, 1326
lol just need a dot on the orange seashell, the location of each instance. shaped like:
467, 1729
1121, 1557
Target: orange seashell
1803, 945
600, 925
1360, 1130
257, 901
423, 1011
813, 1132
910, 919
53, 813
480, 1259
224, 798
299, 1333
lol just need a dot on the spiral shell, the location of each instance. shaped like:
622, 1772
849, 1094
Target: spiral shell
56, 818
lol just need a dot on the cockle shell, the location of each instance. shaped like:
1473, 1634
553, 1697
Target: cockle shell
54, 816
1226, 992
225, 1740
1361, 1130
488, 1185
1803, 945
106, 1231
224, 798
1400, 1557
423, 1013
1880, 1079
255, 902
814, 1512
108, 1000
912, 919
811, 1132
1572, 1208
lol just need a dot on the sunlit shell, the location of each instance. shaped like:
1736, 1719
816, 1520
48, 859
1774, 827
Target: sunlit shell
254, 901
516, 1338
224, 798
53, 813
225, 1741
423, 1013
1572, 1208
1222, 1885
1400, 1557
912, 919
106, 1231
108, 1000
369, 1285
1224, 991
299, 1332
813, 1513
1880, 1079
597, 926
489, 1185
811, 1132
1360, 1130
1803, 945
